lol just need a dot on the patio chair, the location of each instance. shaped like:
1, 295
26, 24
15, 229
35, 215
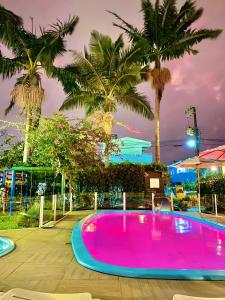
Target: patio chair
18, 293
184, 297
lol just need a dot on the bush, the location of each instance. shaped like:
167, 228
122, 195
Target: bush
9, 222
126, 177
31, 217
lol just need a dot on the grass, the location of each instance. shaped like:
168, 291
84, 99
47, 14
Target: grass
9, 222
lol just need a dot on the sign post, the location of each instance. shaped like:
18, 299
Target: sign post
71, 202
96, 201
215, 199
124, 201
171, 201
41, 213
54, 200
153, 202
199, 203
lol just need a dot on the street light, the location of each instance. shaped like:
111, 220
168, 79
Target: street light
191, 143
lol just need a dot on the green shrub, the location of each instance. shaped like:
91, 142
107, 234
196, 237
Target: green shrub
125, 177
9, 222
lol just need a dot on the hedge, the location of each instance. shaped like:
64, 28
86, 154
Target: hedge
125, 177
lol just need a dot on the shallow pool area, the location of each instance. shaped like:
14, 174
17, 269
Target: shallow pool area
6, 246
151, 245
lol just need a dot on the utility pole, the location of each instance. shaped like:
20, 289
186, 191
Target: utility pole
194, 131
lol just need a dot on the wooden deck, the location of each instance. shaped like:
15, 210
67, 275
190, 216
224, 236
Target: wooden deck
44, 261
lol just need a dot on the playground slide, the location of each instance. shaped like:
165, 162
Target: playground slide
165, 205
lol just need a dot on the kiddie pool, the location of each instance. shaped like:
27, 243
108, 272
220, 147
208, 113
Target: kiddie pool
151, 245
6, 246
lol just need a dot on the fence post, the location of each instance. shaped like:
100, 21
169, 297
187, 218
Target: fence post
199, 203
54, 201
153, 202
96, 201
71, 202
41, 213
64, 203
215, 199
124, 201
171, 201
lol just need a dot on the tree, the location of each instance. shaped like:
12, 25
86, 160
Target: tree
166, 35
105, 77
32, 53
66, 148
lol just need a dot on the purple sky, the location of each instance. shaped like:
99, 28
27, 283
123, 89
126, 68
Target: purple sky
196, 80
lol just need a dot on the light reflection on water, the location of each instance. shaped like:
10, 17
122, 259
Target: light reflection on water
182, 225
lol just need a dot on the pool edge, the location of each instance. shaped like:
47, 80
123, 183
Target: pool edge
84, 258
12, 246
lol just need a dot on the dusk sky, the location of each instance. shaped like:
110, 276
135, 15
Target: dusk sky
196, 80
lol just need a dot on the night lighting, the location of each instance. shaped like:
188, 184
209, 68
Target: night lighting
191, 143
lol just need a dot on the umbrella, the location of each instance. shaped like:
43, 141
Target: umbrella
217, 154
198, 163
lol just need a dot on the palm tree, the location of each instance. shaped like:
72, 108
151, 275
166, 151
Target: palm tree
166, 35
104, 78
32, 54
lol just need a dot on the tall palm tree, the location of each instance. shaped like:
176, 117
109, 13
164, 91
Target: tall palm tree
166, 35
103, 78
32, 54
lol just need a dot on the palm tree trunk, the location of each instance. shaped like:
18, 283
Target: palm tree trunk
26, 143
157, 126
36, 118
108, 129
158, 97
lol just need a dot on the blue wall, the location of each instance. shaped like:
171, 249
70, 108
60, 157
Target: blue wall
144, 158
179, 176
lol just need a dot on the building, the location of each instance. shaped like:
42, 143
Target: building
182, 175
131, 150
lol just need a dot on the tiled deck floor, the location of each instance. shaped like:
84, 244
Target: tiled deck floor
44, 261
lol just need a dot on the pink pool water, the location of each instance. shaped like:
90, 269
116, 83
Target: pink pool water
158, 241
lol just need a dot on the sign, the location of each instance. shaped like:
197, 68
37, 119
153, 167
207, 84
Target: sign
154, 183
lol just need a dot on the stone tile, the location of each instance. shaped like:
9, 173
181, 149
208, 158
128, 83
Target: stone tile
130, 288
76, 271
30, 271
6, 269
58, 256
45, 286
102, 289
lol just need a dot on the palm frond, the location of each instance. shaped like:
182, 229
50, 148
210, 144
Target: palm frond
136, 103
10, 107
52, 41
9, 67
61, 29
76, 100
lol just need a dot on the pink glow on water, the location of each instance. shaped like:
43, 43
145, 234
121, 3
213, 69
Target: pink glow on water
145, 240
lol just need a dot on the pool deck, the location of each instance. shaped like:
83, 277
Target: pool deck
44, 261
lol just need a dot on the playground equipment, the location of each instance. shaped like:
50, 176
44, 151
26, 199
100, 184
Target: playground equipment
13, 180
29, 182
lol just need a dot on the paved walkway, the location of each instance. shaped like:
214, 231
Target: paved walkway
44, 261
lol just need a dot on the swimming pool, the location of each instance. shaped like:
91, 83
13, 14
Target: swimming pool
151, 245
6, 246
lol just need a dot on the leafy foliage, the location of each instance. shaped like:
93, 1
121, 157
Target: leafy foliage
10, 151
127, 177
104, 78
213, 185
32, 53
167, 32
64, 147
